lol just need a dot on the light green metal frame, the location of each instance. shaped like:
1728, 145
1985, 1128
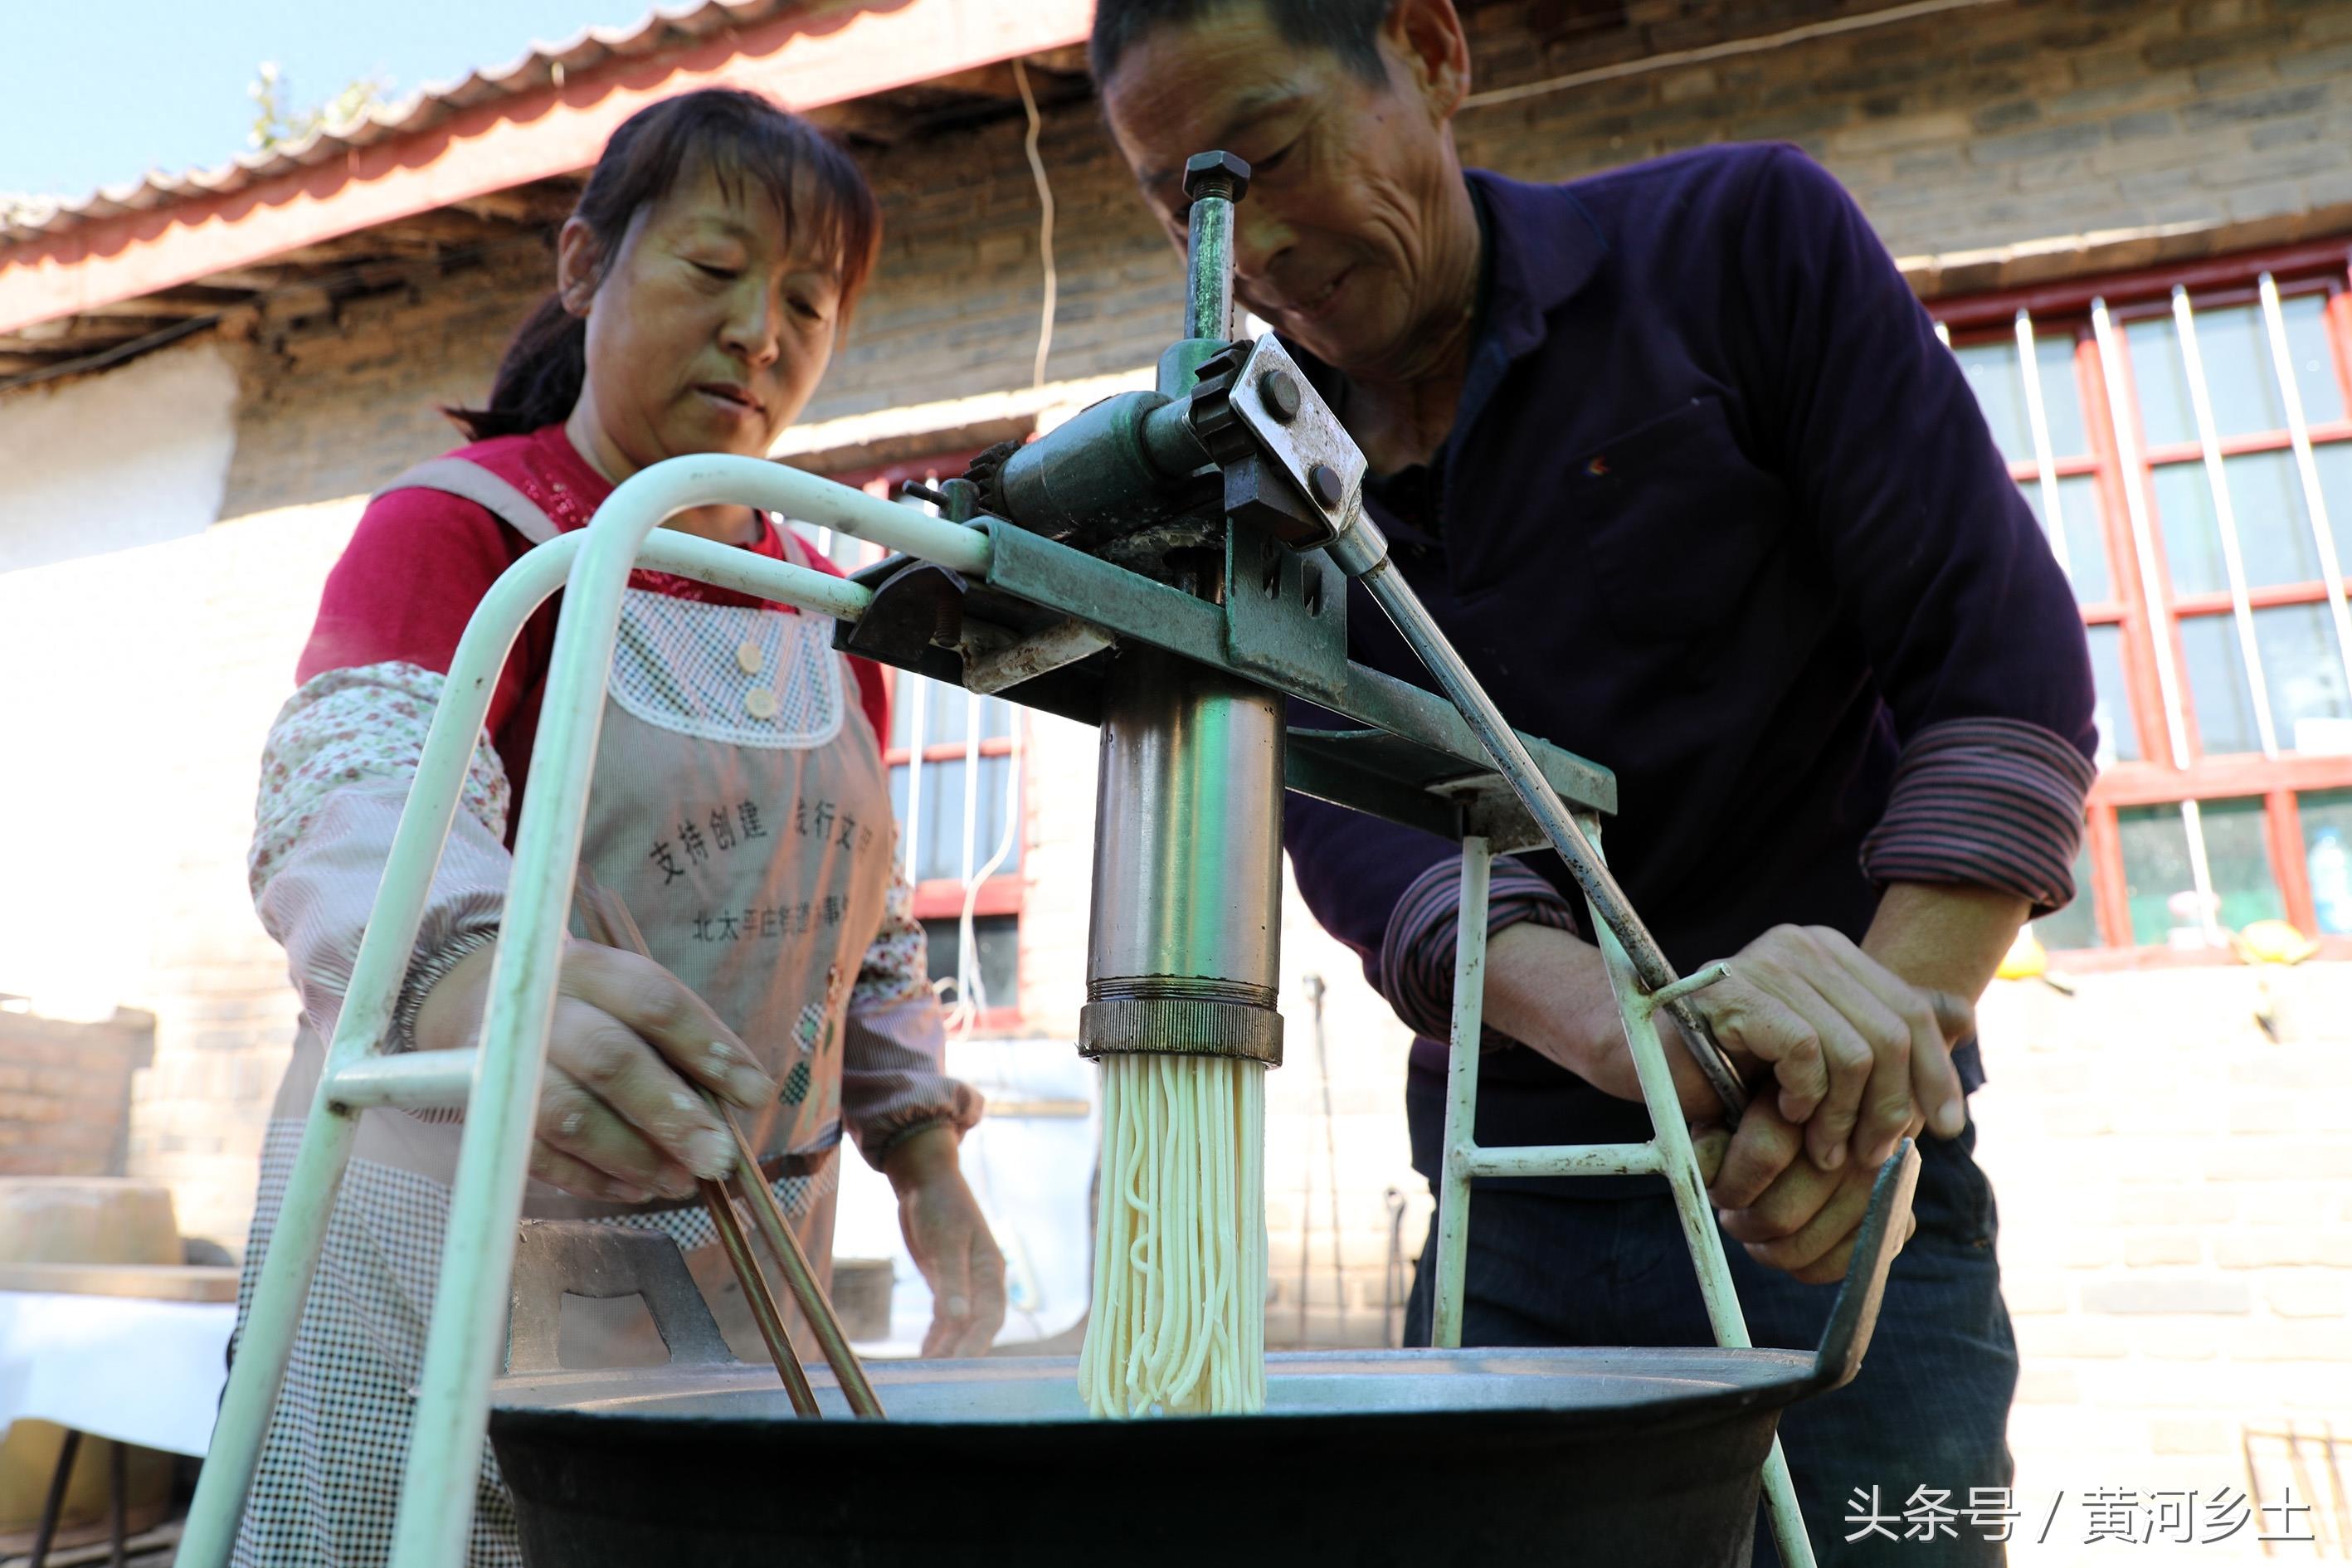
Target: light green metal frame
1667, 1154
499, 1080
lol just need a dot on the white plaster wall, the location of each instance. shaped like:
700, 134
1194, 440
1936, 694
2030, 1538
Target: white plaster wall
107, 462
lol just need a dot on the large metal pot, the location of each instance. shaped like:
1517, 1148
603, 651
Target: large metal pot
1420, 1457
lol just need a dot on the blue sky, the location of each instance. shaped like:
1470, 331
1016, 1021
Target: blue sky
96, 94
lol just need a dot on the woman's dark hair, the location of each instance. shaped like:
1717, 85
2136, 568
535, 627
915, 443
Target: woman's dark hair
744, 140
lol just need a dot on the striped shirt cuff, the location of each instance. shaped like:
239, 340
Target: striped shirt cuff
1989, 803
1417, 951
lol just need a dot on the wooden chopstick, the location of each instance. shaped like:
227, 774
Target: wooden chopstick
767, 1214
609, 923
800, 1280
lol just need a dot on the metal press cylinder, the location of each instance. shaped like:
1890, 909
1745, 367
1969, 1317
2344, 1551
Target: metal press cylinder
1184, 950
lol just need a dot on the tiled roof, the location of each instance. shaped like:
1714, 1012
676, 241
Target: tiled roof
661, 29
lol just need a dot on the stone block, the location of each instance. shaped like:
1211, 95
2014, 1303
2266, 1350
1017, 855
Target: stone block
2149, 1248
2144, 1293
2267, 1247
2308, 1294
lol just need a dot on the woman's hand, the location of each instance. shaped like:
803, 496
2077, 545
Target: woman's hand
949, 1240
619, 1119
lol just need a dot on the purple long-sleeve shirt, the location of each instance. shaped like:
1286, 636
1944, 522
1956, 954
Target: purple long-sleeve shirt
1719, 512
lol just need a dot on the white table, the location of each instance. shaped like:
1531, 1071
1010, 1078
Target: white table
143, 1372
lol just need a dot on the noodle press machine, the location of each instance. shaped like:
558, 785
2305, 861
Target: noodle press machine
1172, 566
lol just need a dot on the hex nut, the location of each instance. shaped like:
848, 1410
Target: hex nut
1215, 174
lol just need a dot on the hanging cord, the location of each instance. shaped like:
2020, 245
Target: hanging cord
1330, 1156
1044, 220
1727, 49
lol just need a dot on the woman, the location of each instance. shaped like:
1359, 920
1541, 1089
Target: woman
741, 809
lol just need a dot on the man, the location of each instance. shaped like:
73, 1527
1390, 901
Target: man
1677, 462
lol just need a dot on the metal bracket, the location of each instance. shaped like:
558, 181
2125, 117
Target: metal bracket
917, 607
555, 1258
1279, 406
1286, 614
995, 666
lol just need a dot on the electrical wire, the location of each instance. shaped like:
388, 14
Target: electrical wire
1725, 50
1044, 220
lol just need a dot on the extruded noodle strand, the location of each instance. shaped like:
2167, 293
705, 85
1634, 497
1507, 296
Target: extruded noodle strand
1179, 1319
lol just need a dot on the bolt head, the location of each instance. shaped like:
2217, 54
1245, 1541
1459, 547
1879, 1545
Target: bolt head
1215, 174
1323, 482
1279, 388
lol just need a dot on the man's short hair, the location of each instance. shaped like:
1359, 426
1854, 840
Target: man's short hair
1348, 28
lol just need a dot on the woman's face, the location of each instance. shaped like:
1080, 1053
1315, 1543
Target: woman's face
709, 328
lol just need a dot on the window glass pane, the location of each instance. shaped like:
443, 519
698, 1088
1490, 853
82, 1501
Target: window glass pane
2062, 398
2238, 858
996, 718
2161, 378
2314, 367
2077, 925
903, 701
2118, 736
2192, 539
944, 713
2309, 708
998, 824
2156, 873
2218, 685
2327, 856
998, 938
2333, 461
2234, 344
939, 835
1992, 372
2273, 535
2085, 540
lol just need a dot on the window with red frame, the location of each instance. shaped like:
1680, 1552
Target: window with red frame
2183, 436
955, 786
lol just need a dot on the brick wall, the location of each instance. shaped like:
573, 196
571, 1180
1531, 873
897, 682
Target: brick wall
65, 1092
181, 652
2008, 122
2175, 1235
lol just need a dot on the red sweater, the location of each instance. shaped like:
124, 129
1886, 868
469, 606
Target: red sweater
420, 561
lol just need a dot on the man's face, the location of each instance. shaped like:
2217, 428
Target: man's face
1338, 244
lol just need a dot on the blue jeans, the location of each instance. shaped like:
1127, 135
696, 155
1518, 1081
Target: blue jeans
1931, 1408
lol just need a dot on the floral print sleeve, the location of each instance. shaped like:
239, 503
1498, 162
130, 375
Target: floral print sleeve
893, 1081
334, 777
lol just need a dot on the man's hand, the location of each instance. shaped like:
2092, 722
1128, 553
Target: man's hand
1788, 1213
950, 1243
1852, 1047
619, 1119
1859, 1053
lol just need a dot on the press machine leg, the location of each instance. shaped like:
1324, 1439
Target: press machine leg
1696, 1216
1461, 1096
267, 1340
118, 1496
46, 1529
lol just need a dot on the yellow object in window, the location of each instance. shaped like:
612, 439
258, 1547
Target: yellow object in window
2273, 941
2026, 958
